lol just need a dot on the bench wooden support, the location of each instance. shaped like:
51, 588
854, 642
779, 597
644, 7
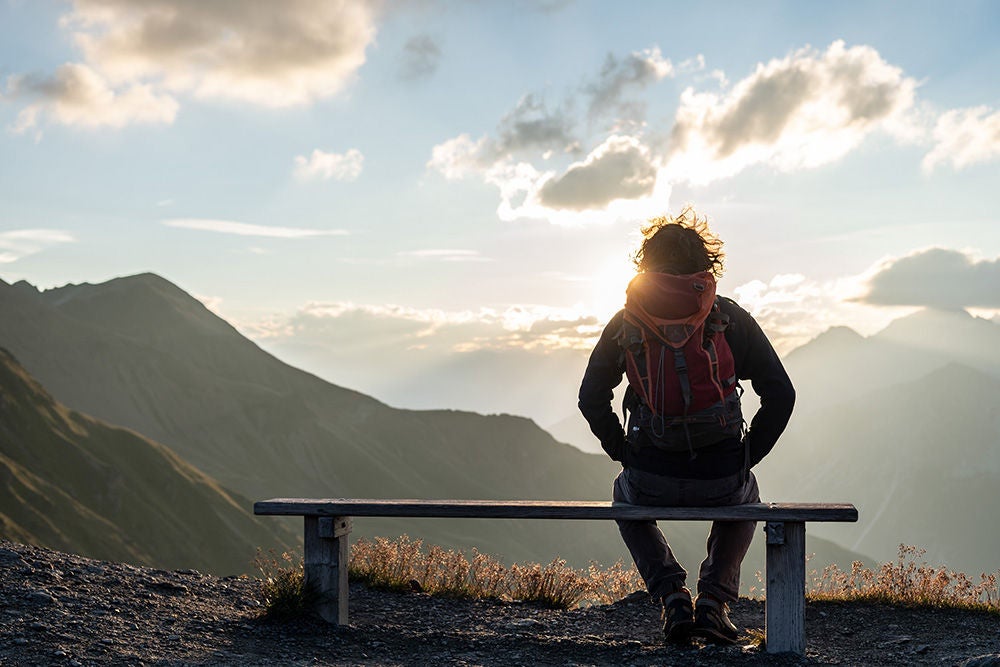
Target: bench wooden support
327, 553
785, 609
328, 527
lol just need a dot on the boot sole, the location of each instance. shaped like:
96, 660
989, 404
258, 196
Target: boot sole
713, 636
680, 633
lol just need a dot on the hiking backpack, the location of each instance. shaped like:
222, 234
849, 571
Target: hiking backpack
682, 379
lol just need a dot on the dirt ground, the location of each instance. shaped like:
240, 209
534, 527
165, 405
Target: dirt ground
59, 609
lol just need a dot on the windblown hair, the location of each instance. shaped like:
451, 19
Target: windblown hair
680, 245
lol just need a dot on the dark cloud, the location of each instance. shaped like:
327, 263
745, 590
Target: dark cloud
635, 71
532, 126
620, 169
938, 277
420, 58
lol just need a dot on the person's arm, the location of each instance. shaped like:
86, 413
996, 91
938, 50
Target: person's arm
604, 373
757, 361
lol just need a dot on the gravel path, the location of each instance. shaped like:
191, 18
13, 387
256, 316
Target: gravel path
59, 609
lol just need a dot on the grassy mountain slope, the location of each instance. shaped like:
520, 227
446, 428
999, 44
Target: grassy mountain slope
72, 482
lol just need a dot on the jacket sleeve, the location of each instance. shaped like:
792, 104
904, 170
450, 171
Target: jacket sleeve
757, 362
604, 373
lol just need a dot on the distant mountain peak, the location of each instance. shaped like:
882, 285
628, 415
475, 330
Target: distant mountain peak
834, 338
936, 326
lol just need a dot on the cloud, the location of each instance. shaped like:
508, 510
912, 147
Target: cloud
801, 111
18, 243
965, 137
636, 71
78, 95
445, 255
245, 229
420, 58
532, 126
138, 56
937, 277
621, 168
522, 327
274, 54
324, 166
793, 309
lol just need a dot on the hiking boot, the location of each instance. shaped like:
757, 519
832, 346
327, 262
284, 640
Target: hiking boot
677, 616
711, 622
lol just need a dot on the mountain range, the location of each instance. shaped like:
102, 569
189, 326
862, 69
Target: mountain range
74, 482
141, 353
905, 424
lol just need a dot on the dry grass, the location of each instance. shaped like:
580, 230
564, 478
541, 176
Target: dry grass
908, 581
404, 564
282, 586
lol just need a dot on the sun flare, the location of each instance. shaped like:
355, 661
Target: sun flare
608, 287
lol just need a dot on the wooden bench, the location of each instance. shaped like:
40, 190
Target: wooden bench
328, 526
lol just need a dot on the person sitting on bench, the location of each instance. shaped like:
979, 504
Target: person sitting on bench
683, 350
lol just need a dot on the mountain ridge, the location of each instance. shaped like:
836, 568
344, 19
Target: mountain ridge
266, 429
78, 483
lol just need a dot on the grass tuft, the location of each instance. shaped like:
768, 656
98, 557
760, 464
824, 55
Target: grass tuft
282, 587
907, 581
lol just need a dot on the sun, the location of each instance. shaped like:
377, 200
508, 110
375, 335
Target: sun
608, 287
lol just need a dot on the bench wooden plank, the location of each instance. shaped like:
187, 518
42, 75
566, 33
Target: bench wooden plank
551, 509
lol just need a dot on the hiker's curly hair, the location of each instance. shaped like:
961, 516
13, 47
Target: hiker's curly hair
680, 245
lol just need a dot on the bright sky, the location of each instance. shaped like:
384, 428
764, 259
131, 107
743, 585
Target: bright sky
475, 173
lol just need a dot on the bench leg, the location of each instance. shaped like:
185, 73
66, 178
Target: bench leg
327, 550
785, 606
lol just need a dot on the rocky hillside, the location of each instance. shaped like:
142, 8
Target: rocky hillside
66, 610
76, 483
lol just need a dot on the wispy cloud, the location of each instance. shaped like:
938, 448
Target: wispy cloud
420, 58
18, 243
78, 95
324, 166
965, 137
246, 229
445, 255
634, 72
530, 327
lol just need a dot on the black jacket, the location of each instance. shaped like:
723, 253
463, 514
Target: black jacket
756, 361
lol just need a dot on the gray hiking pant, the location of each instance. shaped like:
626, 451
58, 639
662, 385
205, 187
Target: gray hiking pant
727, 543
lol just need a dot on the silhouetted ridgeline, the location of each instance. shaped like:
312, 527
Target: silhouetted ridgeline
141, 353
903, 424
